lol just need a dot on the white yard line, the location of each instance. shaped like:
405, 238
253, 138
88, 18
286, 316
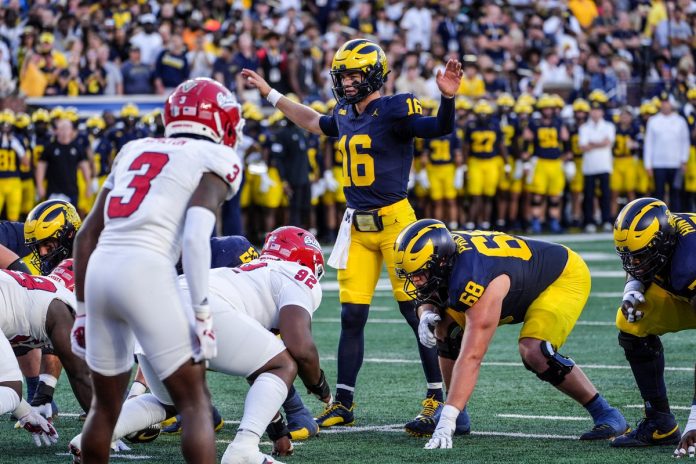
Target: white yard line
402, 321
399, 428
553, 418
130, 457
641, 406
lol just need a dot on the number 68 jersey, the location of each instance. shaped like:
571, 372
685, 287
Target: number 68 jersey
151, 183
531, 265
24, 302
261, 288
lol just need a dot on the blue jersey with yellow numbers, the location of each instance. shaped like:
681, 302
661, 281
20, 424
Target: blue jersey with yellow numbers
691, 123
26, 172
574, 140
10, 150
622, 143
38, 143
315, 146
510, 128
228, 251
547, 138
376, 156
679, 275
441, 150
112, 142
483, 138
12, 237
531, 265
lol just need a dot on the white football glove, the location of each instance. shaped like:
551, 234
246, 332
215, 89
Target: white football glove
633, 296
318, 188
266, 182
518, 171
425, 328
331, 182
422, 179
42, 431
205, 333
442, 437
570, 170
77, 337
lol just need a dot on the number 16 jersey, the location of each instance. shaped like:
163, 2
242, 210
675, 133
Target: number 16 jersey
531, 265
151, 183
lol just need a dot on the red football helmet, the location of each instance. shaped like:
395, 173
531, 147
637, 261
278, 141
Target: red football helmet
296, 245
63, 274
202, 106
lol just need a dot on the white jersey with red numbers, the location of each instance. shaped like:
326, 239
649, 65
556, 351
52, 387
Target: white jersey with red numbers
24, 302
151, 183
261, 287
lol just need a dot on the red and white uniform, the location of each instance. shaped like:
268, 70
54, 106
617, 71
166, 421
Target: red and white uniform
24, 302
130, 287
246, 303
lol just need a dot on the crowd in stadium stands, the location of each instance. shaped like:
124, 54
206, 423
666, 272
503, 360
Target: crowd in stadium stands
566, 108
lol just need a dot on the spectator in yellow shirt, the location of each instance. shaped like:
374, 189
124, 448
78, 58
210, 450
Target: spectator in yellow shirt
51, 62
472, 84
585, 11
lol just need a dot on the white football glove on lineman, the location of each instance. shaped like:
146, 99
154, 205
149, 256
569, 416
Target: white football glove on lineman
687, 445
442, 437
205, 334
633, 296
42, 431
427, 323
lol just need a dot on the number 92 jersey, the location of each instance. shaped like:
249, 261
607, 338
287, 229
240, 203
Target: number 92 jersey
261, 288
24, 302
151, 183
377, 149
531, 265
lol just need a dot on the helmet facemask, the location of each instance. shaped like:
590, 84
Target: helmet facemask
645, 263
434, 290
50, 260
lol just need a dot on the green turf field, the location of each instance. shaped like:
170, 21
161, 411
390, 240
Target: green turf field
515, 417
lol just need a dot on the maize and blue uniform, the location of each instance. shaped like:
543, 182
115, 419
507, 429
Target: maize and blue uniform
548, 178
625, 172
441, 166
26, 176
549, 283
577, 184
11, 153
112, 142
644, 183
336, 166
510, 128
690, 175
12, 238
667, 306
485, 163
228, 251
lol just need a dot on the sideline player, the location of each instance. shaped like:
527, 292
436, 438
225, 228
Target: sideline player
375, 136
657, 251
480, 280
161, 194
280, 292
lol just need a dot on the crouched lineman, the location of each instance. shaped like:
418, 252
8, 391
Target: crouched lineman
657, 251
277, 292
34, 312
476, 281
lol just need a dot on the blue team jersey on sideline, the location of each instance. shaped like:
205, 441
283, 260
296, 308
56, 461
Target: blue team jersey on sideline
231, 251
377, 157
531, 265
12, 237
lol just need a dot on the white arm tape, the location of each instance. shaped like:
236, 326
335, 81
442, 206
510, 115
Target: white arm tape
691, 423
633, 285
273, 97
196, 253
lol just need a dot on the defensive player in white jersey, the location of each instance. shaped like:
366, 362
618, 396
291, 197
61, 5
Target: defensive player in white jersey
278, 292
161, 194
37, 312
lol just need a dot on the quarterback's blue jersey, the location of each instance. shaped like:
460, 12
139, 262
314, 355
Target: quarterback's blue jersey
531, 265
547, 139
12, 237
377, 149
679, 276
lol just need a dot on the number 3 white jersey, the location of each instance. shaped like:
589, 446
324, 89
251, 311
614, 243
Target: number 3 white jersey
24, 302
151, 183
261, 287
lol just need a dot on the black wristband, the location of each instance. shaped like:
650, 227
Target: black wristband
321, 389
19, 265
43, 395
277, 429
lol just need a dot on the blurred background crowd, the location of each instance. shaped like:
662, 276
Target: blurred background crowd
536, 72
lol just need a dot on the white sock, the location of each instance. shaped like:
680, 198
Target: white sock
263, 401
138, 413
9, 400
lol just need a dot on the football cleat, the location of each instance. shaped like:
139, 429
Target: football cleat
661, 429
172, 426
145, 435
424, 423
246, 455
301, 424
609, 425
336, 414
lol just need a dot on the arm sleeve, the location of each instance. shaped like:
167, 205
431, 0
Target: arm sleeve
198, 227
328, 125
428, 127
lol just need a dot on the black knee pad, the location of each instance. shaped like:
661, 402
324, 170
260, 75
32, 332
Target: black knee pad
554, 202
536, 200
640, 349
559, 365
449, 347
21, 350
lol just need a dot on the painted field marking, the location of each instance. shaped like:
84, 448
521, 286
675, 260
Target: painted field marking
553, 418
399, 428
131, 457
403, 321
641, 406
